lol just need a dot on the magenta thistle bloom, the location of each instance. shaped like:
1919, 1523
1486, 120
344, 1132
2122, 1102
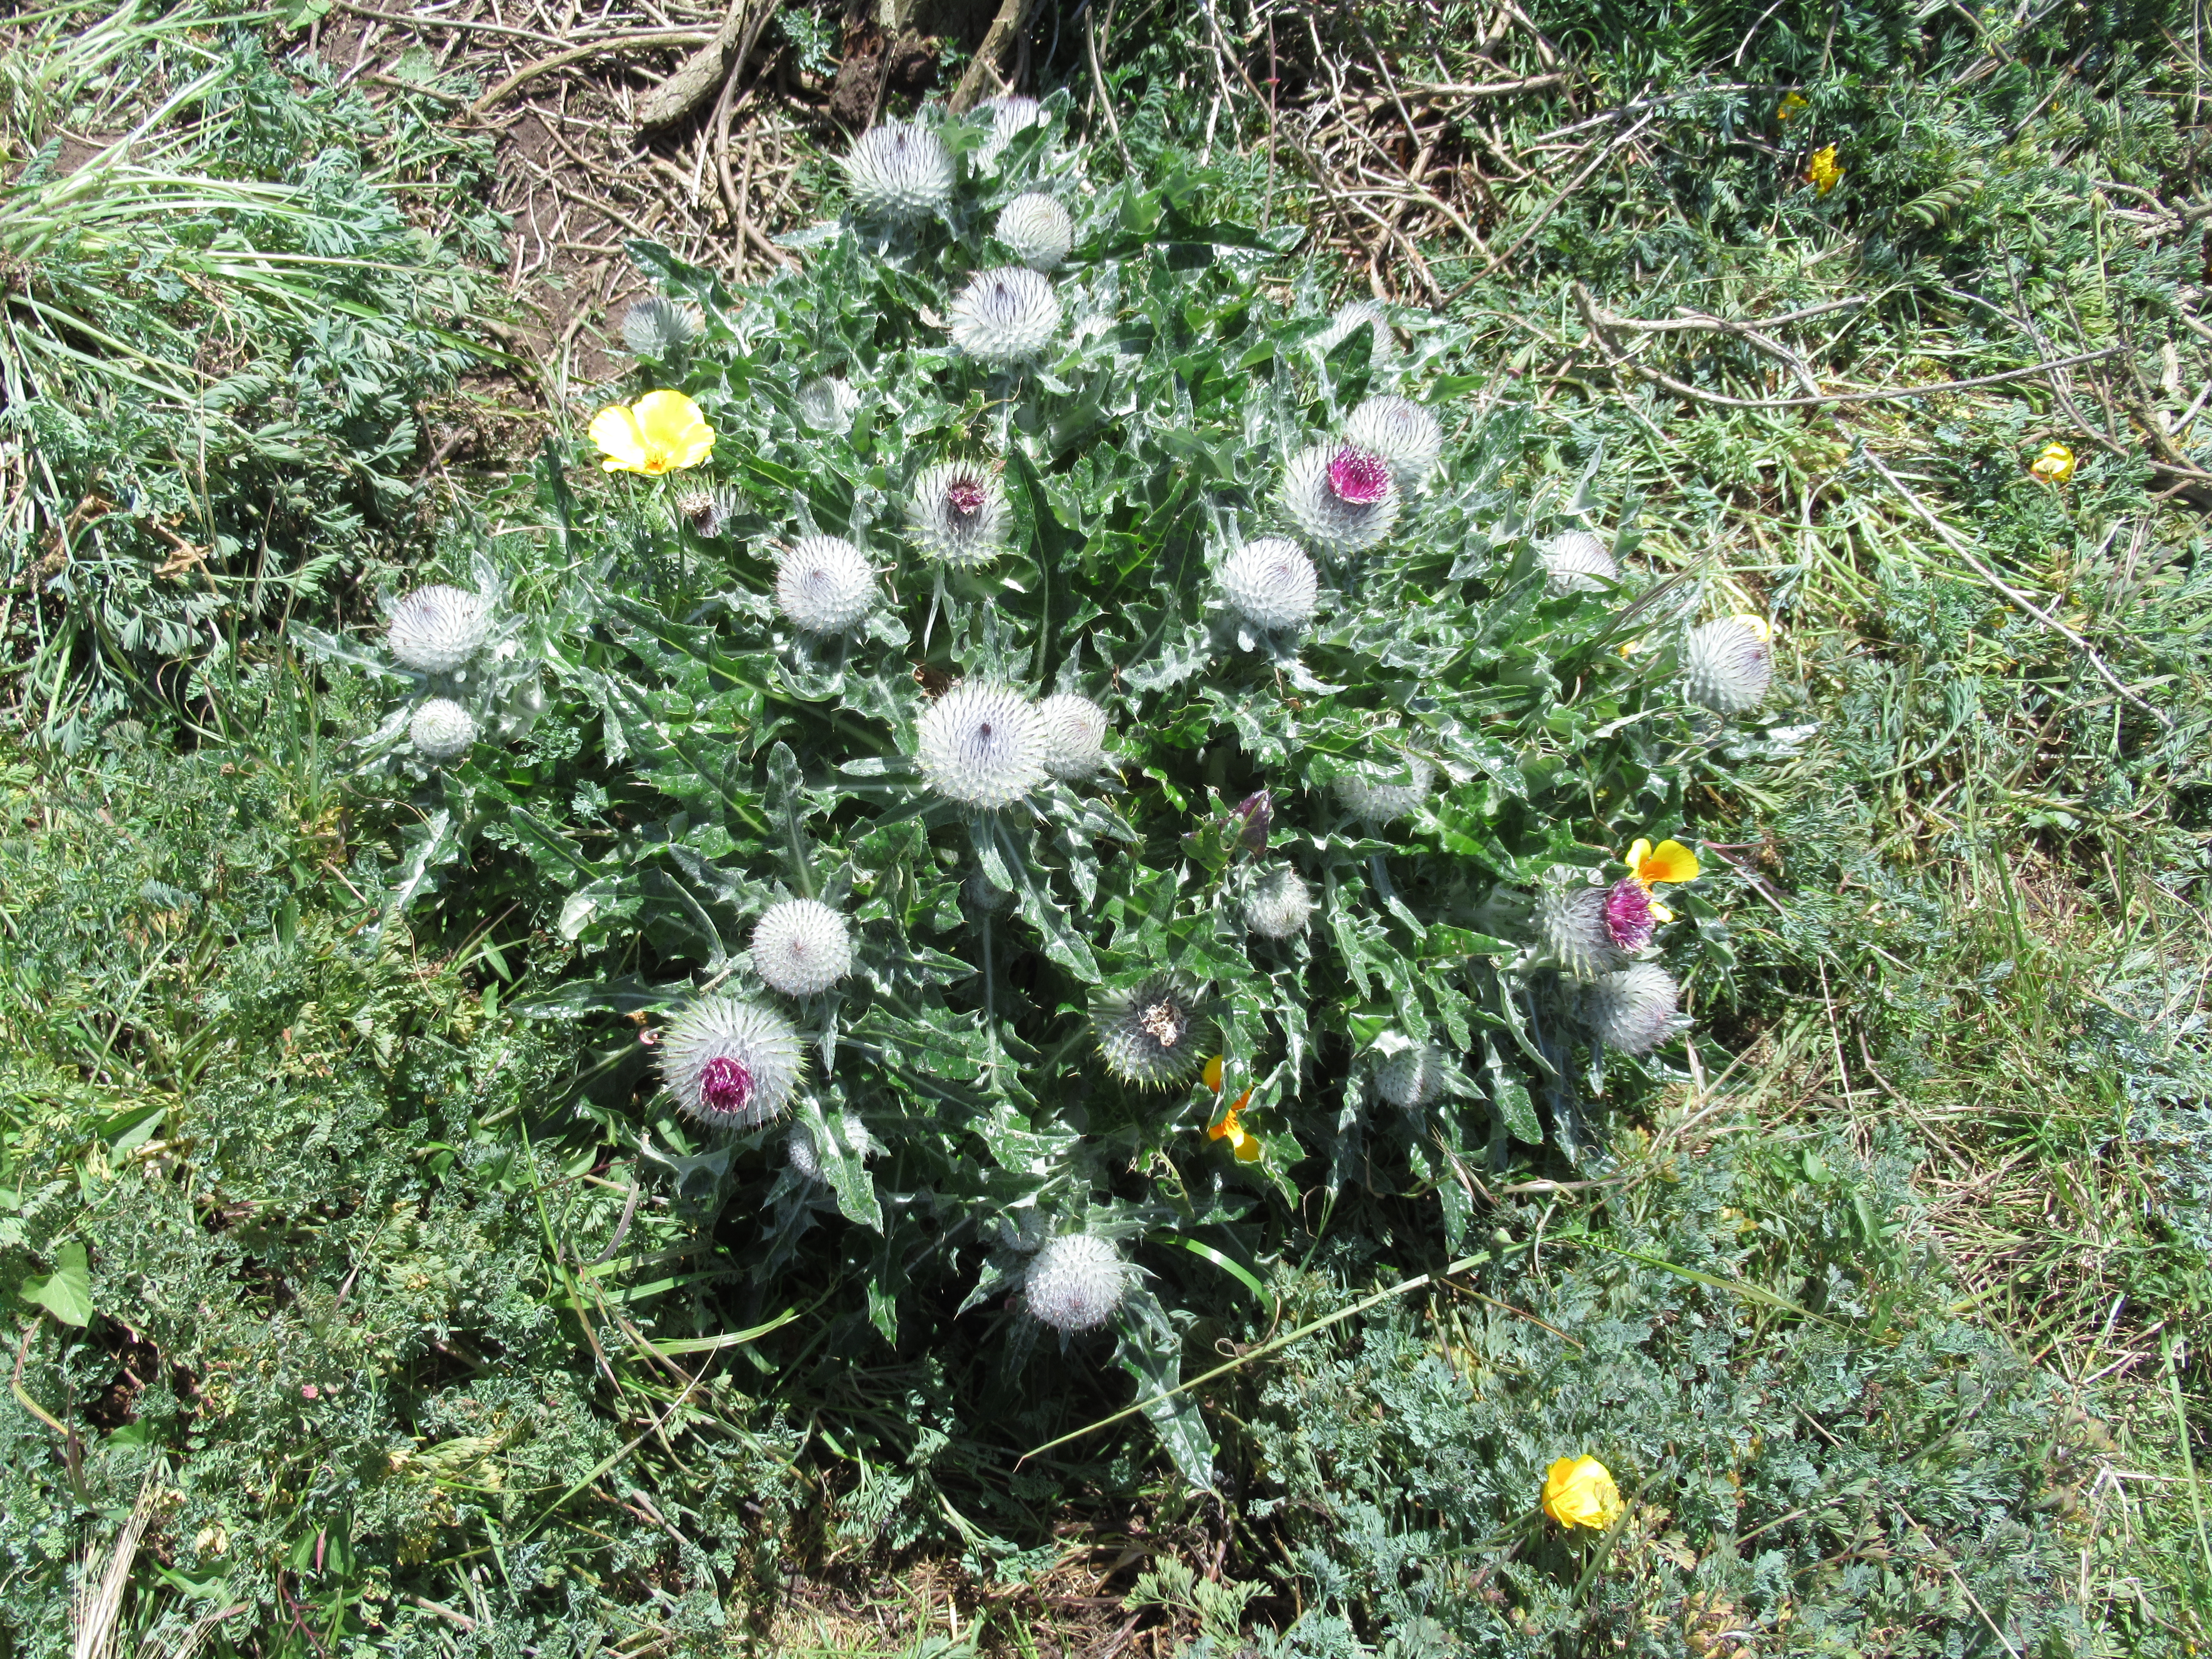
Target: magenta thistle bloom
725, 1084
1258, 812
964, 497
1358, 477
1628, 913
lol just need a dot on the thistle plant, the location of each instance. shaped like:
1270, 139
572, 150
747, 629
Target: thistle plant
951, 786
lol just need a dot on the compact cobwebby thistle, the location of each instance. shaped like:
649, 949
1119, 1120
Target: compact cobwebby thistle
1271, 583
958, 514
1005, 315
1350, 317
1342, 497
1412, 1077
824, 584
981, 745
442, 730
1633, 1010
1575, 932
1036, 230
1074, 736
1152, 1036
827, 405
1075, 1282
899, 171
801, 948
1379, 803
658, 327
1576, 561
1279, 905
1405, 435
1727, 664
1009, 115
730, 1063
437, 629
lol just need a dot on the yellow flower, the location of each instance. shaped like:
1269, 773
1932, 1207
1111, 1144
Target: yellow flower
1578, 1492
1670, 861
1790, 106
2054, 465
1822, 172
1245, 1145
1758, 625
661, 432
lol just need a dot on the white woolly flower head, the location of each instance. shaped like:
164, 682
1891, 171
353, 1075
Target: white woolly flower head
730, 1063
1075, 1282
1572, 931
899, 171
659, 328
1633, 1011
1381, 803
1271, 583
1576, 561
1405, 434
1152, 1036
1074, 736
1280, 904
827, 405
1728, 664
1005, 315
442, 730
1349, 317
436, 629
824, 584
1036, 229
982, 746
1342, 497
958, 514
1008, 115
1412, 1077
801, 948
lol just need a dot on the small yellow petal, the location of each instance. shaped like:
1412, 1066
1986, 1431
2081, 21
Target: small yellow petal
1758, 625
1660, 912
614, 429
1213, 1074
1670, 861
1248, 1147
2054, 465
1635, 856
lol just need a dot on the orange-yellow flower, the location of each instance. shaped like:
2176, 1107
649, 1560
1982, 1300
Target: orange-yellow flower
1648, 866
1821, 172
661, 432
1246, 1145
1790, 105
1579, 1492
2054, 465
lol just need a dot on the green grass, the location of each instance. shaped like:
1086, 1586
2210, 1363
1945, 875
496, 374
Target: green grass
1964, 1128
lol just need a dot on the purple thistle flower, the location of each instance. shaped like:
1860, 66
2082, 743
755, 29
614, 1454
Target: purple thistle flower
1258, 812
725, 1085
1358, 477
1628, 913
964, 497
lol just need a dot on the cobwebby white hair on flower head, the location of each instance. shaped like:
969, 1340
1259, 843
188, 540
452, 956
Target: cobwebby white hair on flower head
1005, 315
981, 745
1036, 229
1075, 736
1279, 905
899, 171
1405, 435
827, 405
1412, 1077
1342, 497
958, 513
730, 1063
1576, 561
437, 629
824, 584
1075, 1282
1151, 1036
1009, 115
1271, 583
1728, 664
442, 730
1633, 1011
1379, 803
801, 948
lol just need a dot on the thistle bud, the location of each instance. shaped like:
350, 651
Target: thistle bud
1076, 1281
1634, 1010
1727, 664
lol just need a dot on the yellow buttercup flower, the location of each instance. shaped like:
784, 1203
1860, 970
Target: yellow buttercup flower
1579, 1492
1668, 862
1790, 106
2054, 465
1821, 172
661, 432
1758, 625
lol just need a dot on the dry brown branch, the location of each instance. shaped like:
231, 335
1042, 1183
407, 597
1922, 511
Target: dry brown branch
530, 72
1005, 28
